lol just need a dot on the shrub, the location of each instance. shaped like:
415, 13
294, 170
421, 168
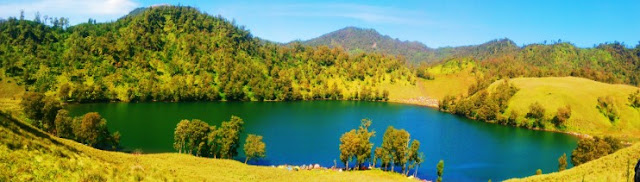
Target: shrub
606, 105
564, 113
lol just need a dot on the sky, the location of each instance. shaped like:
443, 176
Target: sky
434, 23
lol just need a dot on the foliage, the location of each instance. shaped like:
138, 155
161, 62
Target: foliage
539, 172
562, 162
254, 147
198, 138
356, 144
536, 112
606, 105
634, 99
563, 114
590, 149
175, 53
92, 130
440, 170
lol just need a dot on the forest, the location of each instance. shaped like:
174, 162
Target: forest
173, 53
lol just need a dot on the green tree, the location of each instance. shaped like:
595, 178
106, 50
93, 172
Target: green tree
230, 137
32, 104
49, 111
414, 158
254, 147
63, 123
536, 112
539, 172
562, 162
563, 114
180, 136
364, 147
348, 147
440, 170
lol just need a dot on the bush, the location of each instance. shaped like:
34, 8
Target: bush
564, 113
634, 99
606, 105
536, 112
590, 149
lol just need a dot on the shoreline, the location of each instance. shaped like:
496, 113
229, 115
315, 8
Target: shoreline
433, 104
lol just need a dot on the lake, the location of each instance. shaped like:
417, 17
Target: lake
300, 133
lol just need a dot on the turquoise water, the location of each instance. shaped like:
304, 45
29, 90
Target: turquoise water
308, 132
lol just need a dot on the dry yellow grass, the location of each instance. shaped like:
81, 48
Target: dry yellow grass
618, 166
582, 95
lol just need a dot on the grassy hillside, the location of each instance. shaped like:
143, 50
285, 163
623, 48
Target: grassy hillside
618, 166
28, 154
582, 95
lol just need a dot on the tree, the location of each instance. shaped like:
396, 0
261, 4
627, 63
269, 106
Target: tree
63, 123
356, 144
180, 136
230, 137
93, 131
590, 149
197, 136
539, 172
564, 113
606, 105
364, 146
414, 158
562, 162
440, 168
254, 147
32, 105
213, 139
634, 98
348, 147
49, 111
536, 112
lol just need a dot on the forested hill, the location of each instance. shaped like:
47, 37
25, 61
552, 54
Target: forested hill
172, 53
357, 40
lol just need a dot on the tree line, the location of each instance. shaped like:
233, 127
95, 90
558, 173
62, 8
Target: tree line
47, 113
397, 150
198, 138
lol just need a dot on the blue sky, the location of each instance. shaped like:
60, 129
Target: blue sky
435, 23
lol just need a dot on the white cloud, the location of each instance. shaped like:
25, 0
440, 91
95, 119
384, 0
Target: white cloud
76, 10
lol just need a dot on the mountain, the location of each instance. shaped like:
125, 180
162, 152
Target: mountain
356, 40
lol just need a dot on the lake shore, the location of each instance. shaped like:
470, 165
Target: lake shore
433, 104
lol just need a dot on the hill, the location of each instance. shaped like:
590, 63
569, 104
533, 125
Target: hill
358, 40
618, 166
582, 96
28, 154
175, 53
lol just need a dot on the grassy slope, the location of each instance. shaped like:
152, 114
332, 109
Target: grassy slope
618, 166
582, 95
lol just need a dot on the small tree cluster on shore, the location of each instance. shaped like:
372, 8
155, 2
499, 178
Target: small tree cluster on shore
47, 114
199, 138
590, 149
397, 149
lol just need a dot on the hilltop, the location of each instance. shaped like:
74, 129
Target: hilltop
358, 40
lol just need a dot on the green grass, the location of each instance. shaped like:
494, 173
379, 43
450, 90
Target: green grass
618, 166
581, 94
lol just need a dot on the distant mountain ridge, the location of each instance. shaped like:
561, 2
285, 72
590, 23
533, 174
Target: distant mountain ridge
355, 40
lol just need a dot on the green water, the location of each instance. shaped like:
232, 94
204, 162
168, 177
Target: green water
308, 132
